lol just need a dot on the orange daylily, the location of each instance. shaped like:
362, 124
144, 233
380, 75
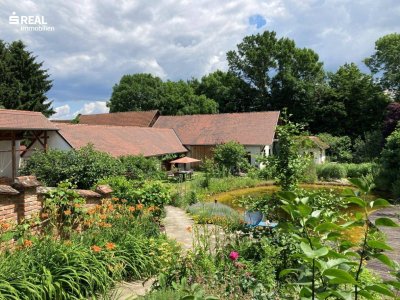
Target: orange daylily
95, 248
110, 246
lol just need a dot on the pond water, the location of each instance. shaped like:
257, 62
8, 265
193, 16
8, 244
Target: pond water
230, 198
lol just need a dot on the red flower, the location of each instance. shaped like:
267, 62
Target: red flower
233, 255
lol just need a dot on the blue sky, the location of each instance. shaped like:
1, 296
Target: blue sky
95, 42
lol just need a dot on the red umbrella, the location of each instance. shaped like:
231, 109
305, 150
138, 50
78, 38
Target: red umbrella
185, 160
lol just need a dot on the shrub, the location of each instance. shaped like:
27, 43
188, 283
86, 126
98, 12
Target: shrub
389, 165
214, 213
310, 171
140, 167
339, 147
329, 171
231, 156
359, 170
83, 167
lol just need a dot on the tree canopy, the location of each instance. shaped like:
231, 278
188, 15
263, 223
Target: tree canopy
23, 81
385, 63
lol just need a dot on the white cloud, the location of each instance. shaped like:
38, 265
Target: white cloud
95, 42
64, 112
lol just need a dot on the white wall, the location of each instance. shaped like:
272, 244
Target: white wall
54, 141
258, 150
6, 160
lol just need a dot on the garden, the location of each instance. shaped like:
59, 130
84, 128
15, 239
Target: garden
320, 249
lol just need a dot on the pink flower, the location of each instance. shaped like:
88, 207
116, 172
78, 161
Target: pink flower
233, 255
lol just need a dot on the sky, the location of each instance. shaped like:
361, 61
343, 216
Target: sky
88, 45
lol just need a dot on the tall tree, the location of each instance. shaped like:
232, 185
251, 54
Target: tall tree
352, 105
135, 92
282, 74
230, 92
386, 63
145, 92
23, 81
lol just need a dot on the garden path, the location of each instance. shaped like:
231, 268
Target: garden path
176, 224
392, 237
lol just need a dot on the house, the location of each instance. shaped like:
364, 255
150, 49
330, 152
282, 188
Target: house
314, 147
15, 126
115, 140
201, 133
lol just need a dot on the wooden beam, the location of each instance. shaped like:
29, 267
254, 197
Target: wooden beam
45, 141
13, 158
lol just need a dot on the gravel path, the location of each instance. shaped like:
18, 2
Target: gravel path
177, 224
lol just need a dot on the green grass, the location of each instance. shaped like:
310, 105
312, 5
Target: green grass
215, 213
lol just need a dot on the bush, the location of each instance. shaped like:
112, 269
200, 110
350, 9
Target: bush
339, 147
140, 167
389, 165
329, 171
231, 156
214, 213
83, 167
310, 171
359, 170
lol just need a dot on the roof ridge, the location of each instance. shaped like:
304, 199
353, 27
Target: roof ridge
20, 112
218, 114
106, 126
122, 112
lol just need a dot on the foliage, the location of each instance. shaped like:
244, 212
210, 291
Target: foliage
328, 267
146, 92
352, 97
367, 148
385, 62
148, 193
392, 118
83, 167
289, 164
339, 147
281, 74
140, 167
231, 93
359, 170
389, 166
309, 171
63, 208
231, 156
330, 171
23, 81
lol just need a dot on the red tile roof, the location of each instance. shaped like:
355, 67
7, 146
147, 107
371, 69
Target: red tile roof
122, 140
255, 128
24, 120
129, 118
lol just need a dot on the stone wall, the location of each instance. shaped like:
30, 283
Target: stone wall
24, 198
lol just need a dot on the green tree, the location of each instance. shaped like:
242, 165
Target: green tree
389, 174
386, 62
340, 147
353, 100
288, 162
23, 81
136, 92
145, 92
231, 156
282, 74
230, 92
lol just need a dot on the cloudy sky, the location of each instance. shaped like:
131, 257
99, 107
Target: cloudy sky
95, 42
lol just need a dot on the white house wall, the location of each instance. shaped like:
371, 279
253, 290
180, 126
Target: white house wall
54, 141
256, 151
6, 158
318, 154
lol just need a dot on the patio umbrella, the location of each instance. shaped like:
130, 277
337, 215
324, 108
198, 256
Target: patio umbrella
185, 160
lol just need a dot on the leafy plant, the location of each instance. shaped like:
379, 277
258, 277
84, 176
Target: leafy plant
231, 156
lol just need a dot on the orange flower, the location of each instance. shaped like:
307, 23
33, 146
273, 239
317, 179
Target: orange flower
91, 211
105, 225
95, 248
110, 246
5, 226
103, 217
77, 205
139, 206
124, 201
132, 208
67, 212
189, 228
27, 243
114, 199
152, 208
